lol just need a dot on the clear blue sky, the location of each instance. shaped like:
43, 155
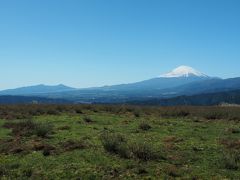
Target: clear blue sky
85, 43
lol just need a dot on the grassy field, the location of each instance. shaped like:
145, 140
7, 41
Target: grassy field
119, 142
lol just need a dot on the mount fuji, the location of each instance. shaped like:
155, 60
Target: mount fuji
184, 71
180, 76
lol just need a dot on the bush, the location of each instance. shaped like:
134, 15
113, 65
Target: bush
144, 126
177, 113
233, 130
48, 150
182, 113
42, 130
117, 144
231, 160
53, 112
136, 114
172, 171
144, 151
112, 141
23, 127
234, 117
27, 172
79, 111
142, 170
88, 120
213, 115
29, 127
124, 151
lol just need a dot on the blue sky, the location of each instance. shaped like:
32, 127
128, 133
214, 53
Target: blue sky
84, 43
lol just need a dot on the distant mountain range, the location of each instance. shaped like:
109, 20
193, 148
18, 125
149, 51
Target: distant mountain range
39, 89
181, 82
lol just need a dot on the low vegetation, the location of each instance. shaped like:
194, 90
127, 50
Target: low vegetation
119, 142
144, 126
29, 127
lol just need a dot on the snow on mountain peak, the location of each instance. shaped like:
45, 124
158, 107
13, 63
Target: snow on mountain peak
183, 71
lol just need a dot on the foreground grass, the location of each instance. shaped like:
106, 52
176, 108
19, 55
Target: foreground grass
93, 143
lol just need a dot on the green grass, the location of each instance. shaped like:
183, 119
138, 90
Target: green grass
4, 133
174, 147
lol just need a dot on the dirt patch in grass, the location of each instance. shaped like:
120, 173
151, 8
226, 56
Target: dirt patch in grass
20, 142
17, 146
172, 139
71, 145
231, 143
12, 146
66, 127
170, 143
29, 128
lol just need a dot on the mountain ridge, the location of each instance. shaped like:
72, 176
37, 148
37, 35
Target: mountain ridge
36, 89
203, 99
182, 81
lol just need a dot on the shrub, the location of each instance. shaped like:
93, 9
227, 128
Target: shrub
117, 144
175, 113
112, 141
79, 111
27, 172
124, 151
48, 150
144, 151
136, 114
172, 171
234, 118
182, 113
88, 120
144, 126
213, 115
42, 130
142, 170
2, 171
23, 127
52, 112
233, 130
29, 127
231, 160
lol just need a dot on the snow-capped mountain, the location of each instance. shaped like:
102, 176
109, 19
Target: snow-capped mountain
182, 80
183, 71
177, 77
